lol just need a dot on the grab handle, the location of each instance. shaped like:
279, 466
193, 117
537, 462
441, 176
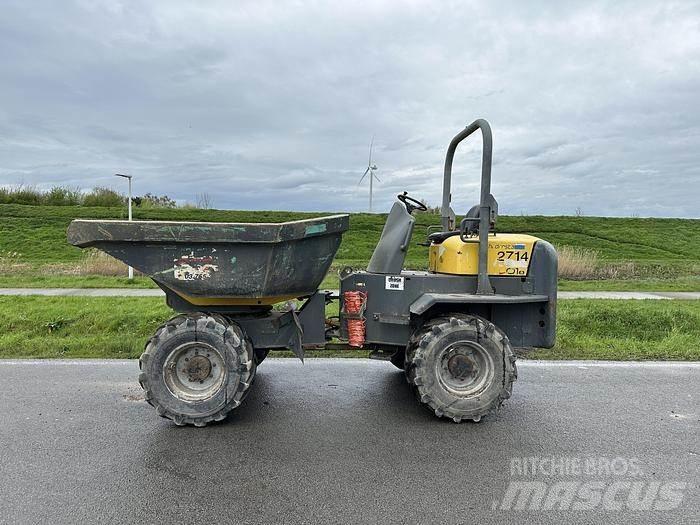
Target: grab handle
483, 286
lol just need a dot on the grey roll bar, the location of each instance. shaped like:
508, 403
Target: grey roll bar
483, 286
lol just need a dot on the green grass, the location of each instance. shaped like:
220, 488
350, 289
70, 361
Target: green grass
39, 232
332, 282
105, 327
678, 284
78, 327
626, 330
37, 279
666, 252
34, 280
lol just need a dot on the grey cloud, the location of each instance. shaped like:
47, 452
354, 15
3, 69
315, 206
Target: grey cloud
272, 105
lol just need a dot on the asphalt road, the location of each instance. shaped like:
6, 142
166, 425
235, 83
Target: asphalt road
343, 441
150, 292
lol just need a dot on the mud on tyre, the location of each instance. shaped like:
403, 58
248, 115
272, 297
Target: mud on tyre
197, 368
460, 366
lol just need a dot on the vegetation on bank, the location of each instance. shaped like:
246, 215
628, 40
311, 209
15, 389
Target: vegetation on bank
48, 280
663, 251
625, 330
52, 280
595, 254
686, 283
109, 327
102, 197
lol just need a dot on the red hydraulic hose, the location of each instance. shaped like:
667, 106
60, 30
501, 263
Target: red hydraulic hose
354, 303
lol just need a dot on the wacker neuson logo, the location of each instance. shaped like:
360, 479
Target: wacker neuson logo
586, 483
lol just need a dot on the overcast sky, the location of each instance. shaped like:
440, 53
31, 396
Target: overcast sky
272, 105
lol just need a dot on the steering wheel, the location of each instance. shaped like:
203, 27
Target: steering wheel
411, 203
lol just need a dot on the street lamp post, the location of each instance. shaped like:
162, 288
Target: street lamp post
128, 177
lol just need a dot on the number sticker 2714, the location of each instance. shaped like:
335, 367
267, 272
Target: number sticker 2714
512, 255
512, 262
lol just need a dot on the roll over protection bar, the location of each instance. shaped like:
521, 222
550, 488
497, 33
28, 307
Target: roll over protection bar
483, 286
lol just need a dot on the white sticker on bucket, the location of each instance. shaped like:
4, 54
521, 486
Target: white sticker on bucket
393, 282
191, 268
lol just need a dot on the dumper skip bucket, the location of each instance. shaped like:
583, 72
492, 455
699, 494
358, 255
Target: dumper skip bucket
209, 263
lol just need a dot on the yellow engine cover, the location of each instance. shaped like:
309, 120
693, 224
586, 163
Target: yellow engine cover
509, 255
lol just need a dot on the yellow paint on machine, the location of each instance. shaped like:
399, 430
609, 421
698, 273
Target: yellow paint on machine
509, 255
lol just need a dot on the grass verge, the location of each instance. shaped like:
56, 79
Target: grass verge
679, 284
37, 234
106, 327
29, 280
22, 279
626, 330
601, 253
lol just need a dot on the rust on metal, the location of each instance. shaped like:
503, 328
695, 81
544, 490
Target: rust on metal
221, 264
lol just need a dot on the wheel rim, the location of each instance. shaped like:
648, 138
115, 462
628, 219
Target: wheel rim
465, 368
194, 371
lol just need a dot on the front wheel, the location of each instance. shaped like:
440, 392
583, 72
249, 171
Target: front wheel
460, 366
197, 368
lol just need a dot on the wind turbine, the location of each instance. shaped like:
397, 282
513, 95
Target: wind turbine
371, 168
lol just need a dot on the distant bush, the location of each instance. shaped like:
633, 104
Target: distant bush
104, 197
62, 196
21, 195
155, 201
56, 196
101, 197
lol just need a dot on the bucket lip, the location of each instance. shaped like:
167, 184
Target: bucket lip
88, 232
191, 223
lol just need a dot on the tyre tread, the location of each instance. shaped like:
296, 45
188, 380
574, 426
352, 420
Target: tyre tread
421, 340
201, 321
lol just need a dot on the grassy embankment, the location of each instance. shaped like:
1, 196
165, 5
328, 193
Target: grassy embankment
51, 327
620, 253
638, 254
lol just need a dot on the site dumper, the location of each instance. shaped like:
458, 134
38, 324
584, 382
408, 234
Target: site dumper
452, 328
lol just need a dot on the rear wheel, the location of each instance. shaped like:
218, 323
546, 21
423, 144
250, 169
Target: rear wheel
197, 368
460, 366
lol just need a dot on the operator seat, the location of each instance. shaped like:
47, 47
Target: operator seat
390, 252
470, 224
472, 227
